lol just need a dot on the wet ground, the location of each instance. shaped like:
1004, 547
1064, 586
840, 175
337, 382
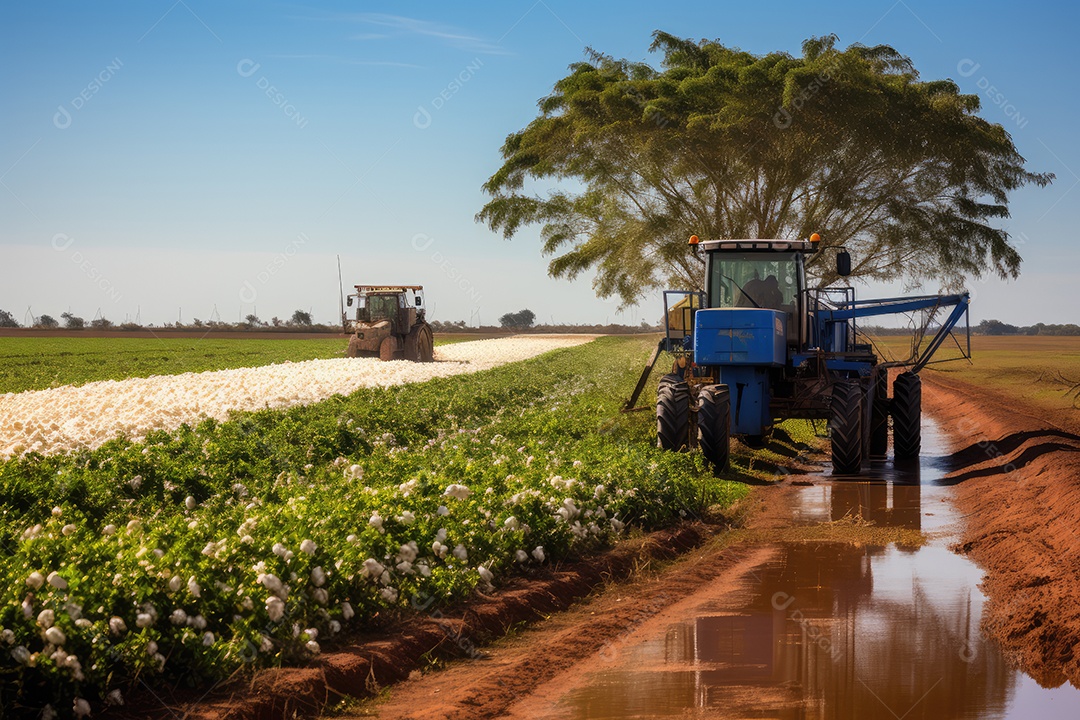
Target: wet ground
827, 630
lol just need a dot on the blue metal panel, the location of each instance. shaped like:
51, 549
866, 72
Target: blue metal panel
749, 390
740, 336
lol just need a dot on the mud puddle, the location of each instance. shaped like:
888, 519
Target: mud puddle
826, 630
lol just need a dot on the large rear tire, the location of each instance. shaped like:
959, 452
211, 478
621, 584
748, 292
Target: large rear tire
879, 418
907, 416
714, 425
673, 413
846, 427
420, 344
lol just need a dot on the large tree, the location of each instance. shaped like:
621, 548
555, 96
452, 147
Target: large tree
625, 162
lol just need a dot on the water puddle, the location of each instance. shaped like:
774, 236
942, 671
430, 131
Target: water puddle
834, 632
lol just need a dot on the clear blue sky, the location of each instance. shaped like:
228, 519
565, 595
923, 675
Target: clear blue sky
192, 154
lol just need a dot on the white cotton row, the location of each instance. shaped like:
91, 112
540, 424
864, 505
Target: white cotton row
70, 417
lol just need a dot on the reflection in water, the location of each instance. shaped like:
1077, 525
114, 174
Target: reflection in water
816, 641
833, 631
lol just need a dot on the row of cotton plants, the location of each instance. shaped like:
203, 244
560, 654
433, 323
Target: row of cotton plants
259, 540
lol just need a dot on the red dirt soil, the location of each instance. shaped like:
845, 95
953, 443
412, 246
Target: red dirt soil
1017, 479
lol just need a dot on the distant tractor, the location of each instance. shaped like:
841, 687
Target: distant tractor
760, 346
388, 323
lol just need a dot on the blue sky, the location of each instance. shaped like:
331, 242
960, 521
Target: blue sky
173, 157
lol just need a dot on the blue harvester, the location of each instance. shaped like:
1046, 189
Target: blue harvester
759, 346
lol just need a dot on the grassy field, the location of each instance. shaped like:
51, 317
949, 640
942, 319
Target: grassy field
1041, 370
36, 363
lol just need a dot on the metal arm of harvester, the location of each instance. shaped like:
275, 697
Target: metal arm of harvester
890, 306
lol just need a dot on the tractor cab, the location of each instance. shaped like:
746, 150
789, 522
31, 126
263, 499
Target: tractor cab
762, 274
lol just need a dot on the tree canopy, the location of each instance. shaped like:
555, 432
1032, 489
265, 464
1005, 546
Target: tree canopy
521, 320
720, 143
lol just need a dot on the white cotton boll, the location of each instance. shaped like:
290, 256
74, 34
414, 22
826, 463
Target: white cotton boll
80, 707
68, 529
55, 635
178, 617
313, 647
144, 620
266, 645
193, 524
136, 482
46, 618
577, 463
423, 569
347, 611
441, 535
511, 523
485, 574
457, 491
439, 549
28, 607
57, 511
21, 655
389, 594
538, 553
318, 577
279, 549
35, 580
198, 622
271, 582
335, 627
48, 713
134, 526
208, 639
616, 525
275, 608
408, 552
461, 553
350, 538
193, 587
307, 546
189, 502
321, 596
406, 488
354, 472
114, 698
151, 648
373, 568
521, 556
109, 529
83, 624
376, 521
175, 583
405, 567
56, 581
117, 625
406, 518
443, 510
8, 636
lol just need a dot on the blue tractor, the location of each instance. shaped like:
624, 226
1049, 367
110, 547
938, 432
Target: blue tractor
759, 346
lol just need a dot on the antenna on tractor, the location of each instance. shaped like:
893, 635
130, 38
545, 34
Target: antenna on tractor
341, 295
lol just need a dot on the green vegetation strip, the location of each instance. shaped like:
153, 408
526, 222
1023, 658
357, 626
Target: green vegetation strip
253, 541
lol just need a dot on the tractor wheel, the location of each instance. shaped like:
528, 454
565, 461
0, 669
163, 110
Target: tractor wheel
907, 416
387, 348
879, 418
846, 427
714, 425
353, 350
673, 413
419, 344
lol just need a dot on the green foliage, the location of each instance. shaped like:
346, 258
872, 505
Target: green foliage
354, 505
7, 320
520, 320
722, 143
300, 317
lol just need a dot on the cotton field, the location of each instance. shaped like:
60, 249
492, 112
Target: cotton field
67, 418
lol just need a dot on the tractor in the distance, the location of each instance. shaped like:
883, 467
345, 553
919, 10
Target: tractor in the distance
388, 323
758, 346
